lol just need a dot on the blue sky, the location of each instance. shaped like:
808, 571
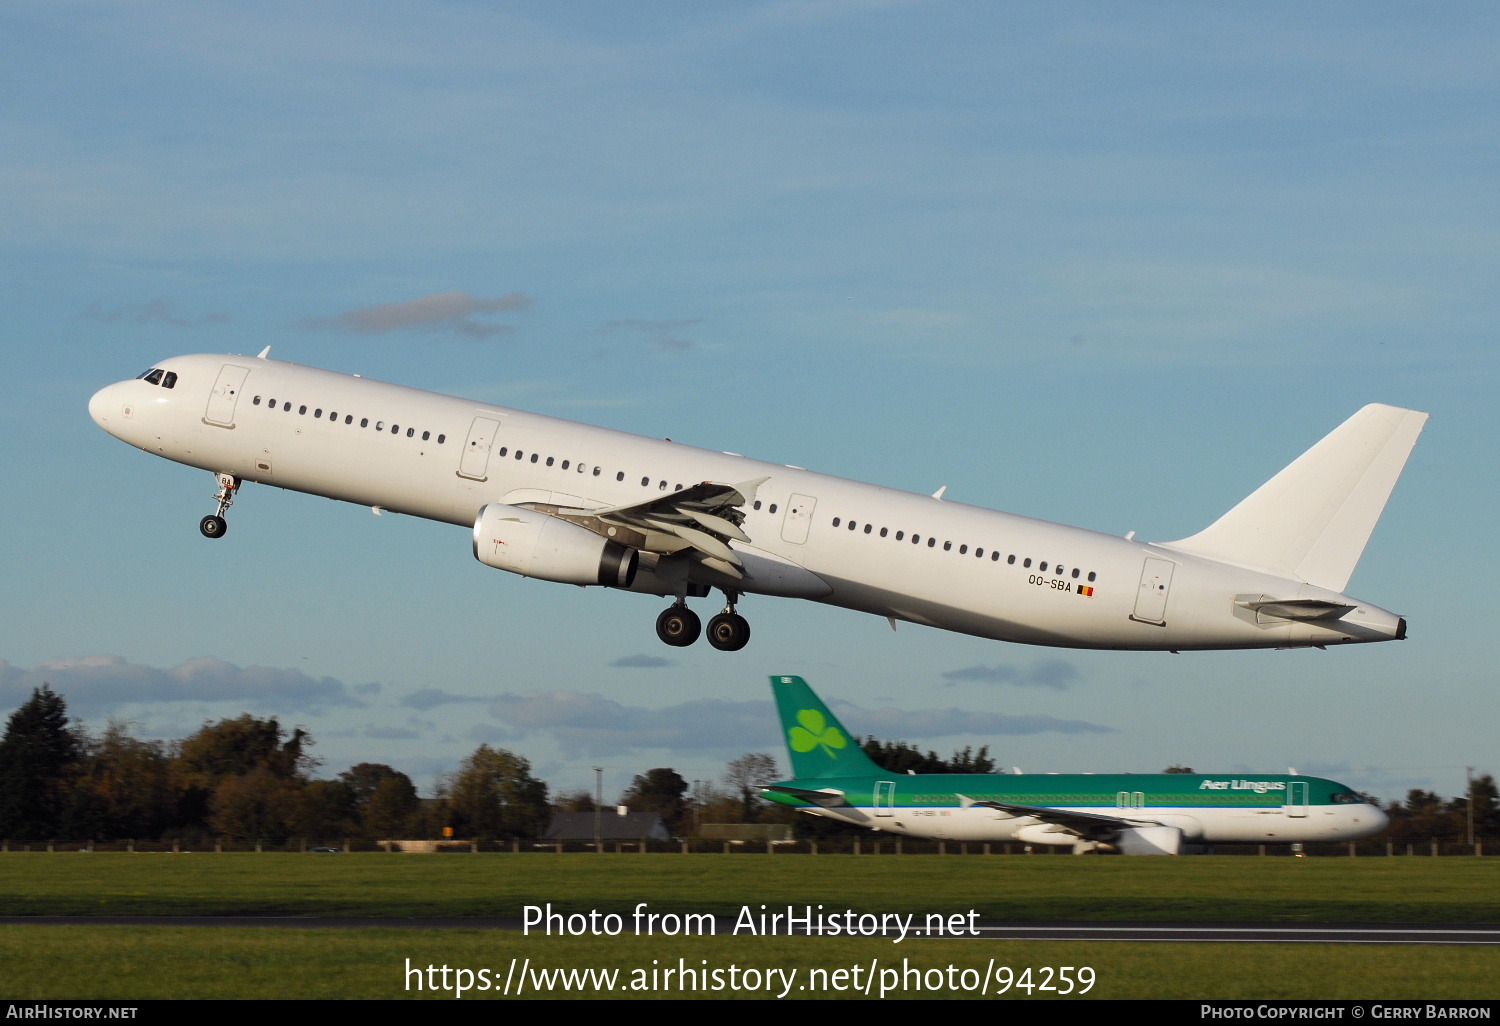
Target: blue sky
1112, 265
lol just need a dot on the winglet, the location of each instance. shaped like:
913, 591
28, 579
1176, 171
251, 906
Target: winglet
264, 353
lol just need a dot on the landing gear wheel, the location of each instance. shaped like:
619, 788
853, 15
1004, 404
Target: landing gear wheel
213, 526
678, 626
728, 632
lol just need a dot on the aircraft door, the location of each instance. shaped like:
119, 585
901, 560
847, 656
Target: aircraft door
1156, 584
885, 797
1296, 798
226, 393
475, 460
799, 511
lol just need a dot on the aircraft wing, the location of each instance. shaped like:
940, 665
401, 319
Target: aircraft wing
828, 799
704, 517
1085, 824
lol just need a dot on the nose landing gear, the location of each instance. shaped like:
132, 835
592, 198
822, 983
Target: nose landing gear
214, 525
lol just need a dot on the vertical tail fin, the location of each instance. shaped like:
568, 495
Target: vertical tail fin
816, 742
1312, 520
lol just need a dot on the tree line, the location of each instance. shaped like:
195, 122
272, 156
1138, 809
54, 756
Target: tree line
252, 779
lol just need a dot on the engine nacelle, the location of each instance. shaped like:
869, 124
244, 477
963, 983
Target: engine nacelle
1045, 833
1153, 840
533, 544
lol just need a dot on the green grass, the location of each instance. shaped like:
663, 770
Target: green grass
129, 962
1455, 889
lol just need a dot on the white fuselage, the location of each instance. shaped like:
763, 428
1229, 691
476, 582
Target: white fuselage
1275, 825
878, 550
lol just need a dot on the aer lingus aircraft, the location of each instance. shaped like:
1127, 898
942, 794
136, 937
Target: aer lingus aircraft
567, 502
1128, 813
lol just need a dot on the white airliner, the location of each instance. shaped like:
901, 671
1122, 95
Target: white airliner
567, 502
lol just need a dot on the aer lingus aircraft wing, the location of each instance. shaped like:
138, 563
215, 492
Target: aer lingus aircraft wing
1085, 824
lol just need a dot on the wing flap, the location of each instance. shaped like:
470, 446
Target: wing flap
1092, 825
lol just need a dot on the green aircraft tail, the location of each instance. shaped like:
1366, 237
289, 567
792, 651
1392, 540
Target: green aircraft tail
816, 742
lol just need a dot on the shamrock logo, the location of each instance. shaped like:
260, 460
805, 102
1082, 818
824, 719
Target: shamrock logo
814, 732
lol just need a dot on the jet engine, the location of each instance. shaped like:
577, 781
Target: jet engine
1150, 840
534, 544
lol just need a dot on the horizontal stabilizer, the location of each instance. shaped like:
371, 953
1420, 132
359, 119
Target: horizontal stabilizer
1311, 521
1298, 609
828, 798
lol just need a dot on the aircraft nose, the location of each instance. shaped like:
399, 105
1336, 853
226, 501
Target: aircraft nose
1378, 819
99, 406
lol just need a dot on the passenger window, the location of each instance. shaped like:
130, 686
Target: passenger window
1091, 576
380, 425
318, 413
255, 401
533, 457
662, 487
900, 535
852, 525
441, 439
596, 471
549, 461
286, 407
916, 538
364, 422
333, 416
565, 465
867, 529
1042, 567
882, 532
978, 553
947, 546
428, 434
773, 507
931, 542
1075, 573
348, 418
410, 432
395, 429
1026, 562
645, 482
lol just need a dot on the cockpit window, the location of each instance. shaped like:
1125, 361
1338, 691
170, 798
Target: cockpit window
170, 381
153, 376
1345, 798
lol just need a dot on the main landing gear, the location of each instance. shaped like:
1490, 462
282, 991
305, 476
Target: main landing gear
214, 525
679, 626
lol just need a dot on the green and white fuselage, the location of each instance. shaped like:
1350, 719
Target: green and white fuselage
1140, 813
